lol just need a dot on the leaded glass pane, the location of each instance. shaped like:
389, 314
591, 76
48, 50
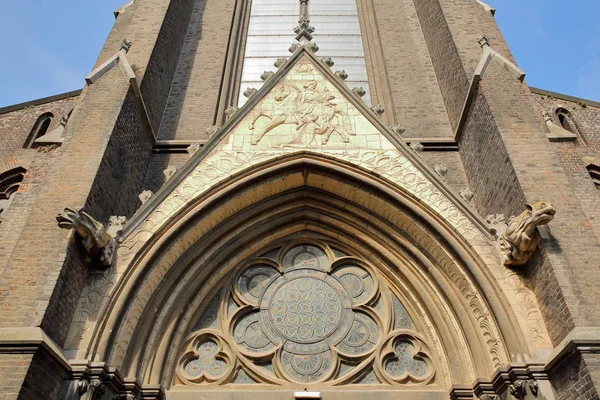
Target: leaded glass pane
270, 34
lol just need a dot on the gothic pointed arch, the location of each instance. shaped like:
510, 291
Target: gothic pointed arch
157, 299
332, 179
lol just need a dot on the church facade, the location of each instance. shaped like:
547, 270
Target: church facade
301, 199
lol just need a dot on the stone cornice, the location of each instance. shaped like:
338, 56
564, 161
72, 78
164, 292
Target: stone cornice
29, 341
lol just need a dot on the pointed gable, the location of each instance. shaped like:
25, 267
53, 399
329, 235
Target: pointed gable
304, 107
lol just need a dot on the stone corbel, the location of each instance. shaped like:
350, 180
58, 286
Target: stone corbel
98, 240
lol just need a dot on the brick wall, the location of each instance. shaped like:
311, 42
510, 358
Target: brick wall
444, 55
417, 100
572, 154
572, 379
191, 107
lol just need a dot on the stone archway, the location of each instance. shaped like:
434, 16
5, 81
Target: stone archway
161, 289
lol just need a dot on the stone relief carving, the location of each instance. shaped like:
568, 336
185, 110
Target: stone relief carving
305, 318
521, 238
98, 243
310, 109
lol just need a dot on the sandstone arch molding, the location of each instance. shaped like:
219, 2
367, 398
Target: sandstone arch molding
158, 289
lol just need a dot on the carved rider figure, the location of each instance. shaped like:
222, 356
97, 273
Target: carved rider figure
521, 238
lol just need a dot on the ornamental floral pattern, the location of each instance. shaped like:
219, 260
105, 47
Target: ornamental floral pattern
305, 314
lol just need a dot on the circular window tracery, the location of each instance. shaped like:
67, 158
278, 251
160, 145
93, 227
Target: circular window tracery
311, 315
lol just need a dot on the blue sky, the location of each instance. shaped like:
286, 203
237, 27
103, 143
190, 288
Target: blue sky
49, 46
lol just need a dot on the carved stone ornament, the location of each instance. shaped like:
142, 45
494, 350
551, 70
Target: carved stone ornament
305, 315
115, 225
441, 169
98, 243
230, 112
193, 148
489, 397
145, 196
521, 238
497, 223
312, 47
328, 61
378, 109
266, 75
211, 130
169, 172
249, 92
341, 74
359, 91
518, 389
466, 194
312, 112
279, 62
417, 147
398, 129
91, 389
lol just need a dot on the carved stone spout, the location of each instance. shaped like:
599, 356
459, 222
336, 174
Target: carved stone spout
96, 240
521, 238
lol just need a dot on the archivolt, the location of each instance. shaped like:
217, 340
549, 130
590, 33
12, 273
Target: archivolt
157, 298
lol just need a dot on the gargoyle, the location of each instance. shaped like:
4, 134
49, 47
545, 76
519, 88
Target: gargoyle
521, 238
98, 243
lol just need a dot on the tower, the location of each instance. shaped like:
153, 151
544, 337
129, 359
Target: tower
301, 199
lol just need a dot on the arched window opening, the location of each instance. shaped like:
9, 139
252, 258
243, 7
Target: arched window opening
567, 122
9, 184
40, 128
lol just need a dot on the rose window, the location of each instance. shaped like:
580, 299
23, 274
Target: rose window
305, 314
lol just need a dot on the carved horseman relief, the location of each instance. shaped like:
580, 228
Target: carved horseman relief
302, 113
302, 315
